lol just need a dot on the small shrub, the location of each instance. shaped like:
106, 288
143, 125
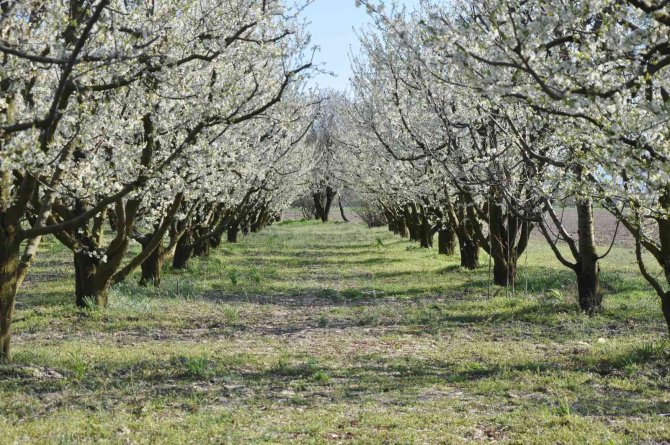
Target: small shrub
371, 215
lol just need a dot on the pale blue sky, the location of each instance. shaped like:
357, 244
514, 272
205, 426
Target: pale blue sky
332, 28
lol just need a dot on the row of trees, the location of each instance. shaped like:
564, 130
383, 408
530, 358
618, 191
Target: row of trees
326, 188
168, 123
478, 119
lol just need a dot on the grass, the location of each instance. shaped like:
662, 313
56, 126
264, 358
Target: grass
313, 333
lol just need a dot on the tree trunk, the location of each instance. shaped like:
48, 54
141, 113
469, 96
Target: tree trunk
89, 289
9, 281
665, 307
469, 253
233, 234
588, 284
426, 235
412, 225
323, 202
414, 232
502, 239
215, 240
330, 195
152, 266
201, 247
403, 231
426, 229
588, 269
344, 217
504, 268
318, 207
183, 252
446, 241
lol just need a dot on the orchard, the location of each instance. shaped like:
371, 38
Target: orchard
470, 242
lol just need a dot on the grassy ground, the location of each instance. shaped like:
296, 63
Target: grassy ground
311, 333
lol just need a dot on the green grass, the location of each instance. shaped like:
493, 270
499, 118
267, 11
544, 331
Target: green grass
313, 333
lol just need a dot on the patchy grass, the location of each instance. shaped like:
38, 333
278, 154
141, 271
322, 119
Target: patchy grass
313, 333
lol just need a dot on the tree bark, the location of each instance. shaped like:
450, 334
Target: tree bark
469, 253
330, 195
588, 269
9, 282
426, 234
183, 252
344, 217
318, 206
323, 201
464, 222
403, 231
446, 241
412, 224
503, 246
233, 234
215, 240
90, 290
665, 307
201, 247
504, 268
152, 267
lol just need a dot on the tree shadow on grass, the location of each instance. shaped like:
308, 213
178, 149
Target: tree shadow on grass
365, 378
29, 300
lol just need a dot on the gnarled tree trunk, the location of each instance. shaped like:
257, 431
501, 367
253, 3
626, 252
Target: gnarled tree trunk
469, 249
152, 267
426, 231
323, 201
201, 246
504, 262
90, 289
232, 234
446, 241
183, 251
